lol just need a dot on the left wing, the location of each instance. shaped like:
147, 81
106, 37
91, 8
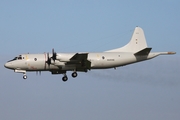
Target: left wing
79, 56
79, 60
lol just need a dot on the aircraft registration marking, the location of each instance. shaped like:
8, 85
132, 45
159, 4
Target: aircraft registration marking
110, 59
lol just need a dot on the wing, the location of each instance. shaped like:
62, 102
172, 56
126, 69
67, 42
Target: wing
79, 56
79, 60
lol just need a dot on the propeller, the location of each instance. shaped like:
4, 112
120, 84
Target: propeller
54, 54
48, 60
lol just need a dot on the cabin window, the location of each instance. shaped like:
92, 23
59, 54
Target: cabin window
103, 57
35, 59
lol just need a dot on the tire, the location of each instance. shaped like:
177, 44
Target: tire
25, 77
65, 78
74, 74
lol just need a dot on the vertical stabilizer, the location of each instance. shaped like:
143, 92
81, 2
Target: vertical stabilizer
136, 44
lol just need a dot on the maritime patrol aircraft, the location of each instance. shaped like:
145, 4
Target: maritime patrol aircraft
59, 63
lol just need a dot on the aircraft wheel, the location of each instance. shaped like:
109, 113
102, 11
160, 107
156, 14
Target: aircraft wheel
65, 78
74, 74
25, 77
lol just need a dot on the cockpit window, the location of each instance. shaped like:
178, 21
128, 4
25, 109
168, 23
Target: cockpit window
16, 58
19, 58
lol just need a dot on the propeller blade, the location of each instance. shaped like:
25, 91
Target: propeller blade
45, 61
53, 50
54, 54
48, 60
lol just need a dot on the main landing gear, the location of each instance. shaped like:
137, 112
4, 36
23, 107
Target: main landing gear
74, 74
65, 78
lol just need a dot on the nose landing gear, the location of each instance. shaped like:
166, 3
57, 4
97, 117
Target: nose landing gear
24, 76
22, 71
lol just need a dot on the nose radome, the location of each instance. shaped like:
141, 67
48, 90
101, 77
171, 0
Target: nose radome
8, 65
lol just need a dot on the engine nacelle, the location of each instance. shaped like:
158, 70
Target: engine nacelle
64, 57
58, 63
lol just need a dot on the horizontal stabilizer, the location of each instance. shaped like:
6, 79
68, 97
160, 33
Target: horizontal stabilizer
145, 51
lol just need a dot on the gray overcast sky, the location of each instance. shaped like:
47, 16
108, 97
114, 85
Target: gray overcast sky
143, 91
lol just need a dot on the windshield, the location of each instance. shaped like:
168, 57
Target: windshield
17, 58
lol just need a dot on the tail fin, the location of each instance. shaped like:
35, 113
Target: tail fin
136, 44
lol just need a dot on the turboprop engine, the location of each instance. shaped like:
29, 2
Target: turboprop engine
64, 57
